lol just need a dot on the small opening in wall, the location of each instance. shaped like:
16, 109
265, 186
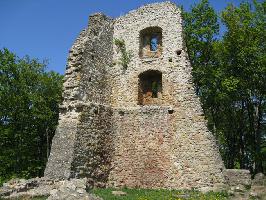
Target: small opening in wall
170, 60
79, 109
89, 79
92, 57
170, 111
178, 52
96, 111
122, 113
95, 33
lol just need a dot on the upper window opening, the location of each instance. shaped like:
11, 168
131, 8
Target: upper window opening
151, 42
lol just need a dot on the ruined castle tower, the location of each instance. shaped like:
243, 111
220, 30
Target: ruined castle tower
130, 116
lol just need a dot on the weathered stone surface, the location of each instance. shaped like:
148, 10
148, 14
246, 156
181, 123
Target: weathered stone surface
258, 187
119, 193
55, 189
32, 187
182, 196
235, 177
18, 185
258, 191
75, 189
259, 179
105, 134
240, 185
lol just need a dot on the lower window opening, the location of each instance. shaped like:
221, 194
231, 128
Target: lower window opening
150, 87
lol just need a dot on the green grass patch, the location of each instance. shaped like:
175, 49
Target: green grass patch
149, 194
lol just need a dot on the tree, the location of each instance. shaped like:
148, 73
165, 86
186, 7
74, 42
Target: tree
201, 28
244, 62
229, 75
29, 98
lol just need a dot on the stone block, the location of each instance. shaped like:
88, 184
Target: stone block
236, 177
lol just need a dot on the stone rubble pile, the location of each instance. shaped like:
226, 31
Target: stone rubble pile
242, 187
258, 187
74, 189
30, 187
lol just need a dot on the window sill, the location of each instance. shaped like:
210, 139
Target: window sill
149, 59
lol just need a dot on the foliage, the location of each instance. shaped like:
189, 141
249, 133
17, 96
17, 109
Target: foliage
230, 74
29, 99
201, 27
125, 55
151, 194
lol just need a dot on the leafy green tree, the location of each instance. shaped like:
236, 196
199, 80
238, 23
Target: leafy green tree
229, 75
244, 63
29, 98
201, 28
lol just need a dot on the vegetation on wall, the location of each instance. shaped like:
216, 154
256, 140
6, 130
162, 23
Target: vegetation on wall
229, 72
29, 98
125, 55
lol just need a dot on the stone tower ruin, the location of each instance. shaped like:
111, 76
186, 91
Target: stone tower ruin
130, 116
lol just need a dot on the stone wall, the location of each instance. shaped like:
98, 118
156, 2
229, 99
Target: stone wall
168, 145
93, 146
104, 133
85, 114
128, 28
61, 156
98, 51
143, 140
92, 150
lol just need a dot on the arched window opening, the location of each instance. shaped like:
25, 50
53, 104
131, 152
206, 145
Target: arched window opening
151, 42
150, 87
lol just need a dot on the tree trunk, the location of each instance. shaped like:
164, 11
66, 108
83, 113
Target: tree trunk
257, 127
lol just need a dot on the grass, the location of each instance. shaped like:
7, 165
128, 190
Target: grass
149, 194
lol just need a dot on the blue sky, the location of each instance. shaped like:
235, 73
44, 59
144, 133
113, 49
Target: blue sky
46, 29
